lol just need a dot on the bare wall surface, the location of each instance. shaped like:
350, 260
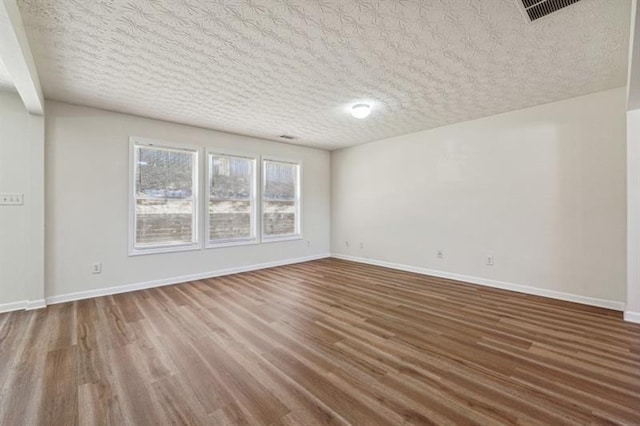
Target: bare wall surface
633, 215
541, 190
87, 201
21, 226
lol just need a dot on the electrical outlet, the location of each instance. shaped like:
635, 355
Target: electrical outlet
11, 199
361, 245
96, 268
439, 254
346, 243
308, 243
489, 261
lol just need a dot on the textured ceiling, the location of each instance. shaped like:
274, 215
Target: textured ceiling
6, 82
271, 67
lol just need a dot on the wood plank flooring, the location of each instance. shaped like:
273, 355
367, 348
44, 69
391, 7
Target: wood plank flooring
323, 342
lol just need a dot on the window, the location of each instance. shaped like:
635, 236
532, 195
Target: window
280, 200
164, 198
232, 194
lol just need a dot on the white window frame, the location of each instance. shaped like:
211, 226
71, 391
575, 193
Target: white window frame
254, 202
133, 163
298, 223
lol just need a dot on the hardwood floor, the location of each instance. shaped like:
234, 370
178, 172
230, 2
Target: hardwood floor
323, 342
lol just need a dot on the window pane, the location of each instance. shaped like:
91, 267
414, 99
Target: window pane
280, 181
279, 217
229, 220
160, 222
230, 177
164, 172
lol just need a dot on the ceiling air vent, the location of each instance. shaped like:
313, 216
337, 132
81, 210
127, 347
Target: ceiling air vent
536, 9
288, 137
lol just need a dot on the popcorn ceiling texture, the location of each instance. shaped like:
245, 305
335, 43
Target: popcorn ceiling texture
265, 68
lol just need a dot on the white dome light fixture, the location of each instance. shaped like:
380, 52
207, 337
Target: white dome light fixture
361, 111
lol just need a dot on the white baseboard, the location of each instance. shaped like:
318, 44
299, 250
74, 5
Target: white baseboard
13, 306
632, 316
36, 304
69, 297
602, 303
23, 304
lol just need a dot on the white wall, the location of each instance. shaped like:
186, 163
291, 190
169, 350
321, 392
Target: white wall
633, 216
87, 206
540, 189
21, 227
632, 312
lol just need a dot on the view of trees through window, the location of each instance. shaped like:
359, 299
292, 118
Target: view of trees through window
231, 181
165, 206
280, 198
164, 187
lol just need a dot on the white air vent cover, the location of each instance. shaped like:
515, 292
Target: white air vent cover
536, 9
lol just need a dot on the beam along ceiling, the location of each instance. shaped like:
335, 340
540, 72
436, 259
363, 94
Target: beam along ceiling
6, 82
271, 67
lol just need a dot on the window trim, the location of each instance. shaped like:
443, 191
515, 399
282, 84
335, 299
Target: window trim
163, 248
255, 211
290, 237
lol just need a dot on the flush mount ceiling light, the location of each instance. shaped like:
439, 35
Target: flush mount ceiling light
360, 110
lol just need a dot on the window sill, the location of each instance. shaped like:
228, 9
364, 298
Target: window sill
282, 238
232, 243
166, 249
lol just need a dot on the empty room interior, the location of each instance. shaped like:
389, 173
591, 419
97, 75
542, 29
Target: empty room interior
319, 212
